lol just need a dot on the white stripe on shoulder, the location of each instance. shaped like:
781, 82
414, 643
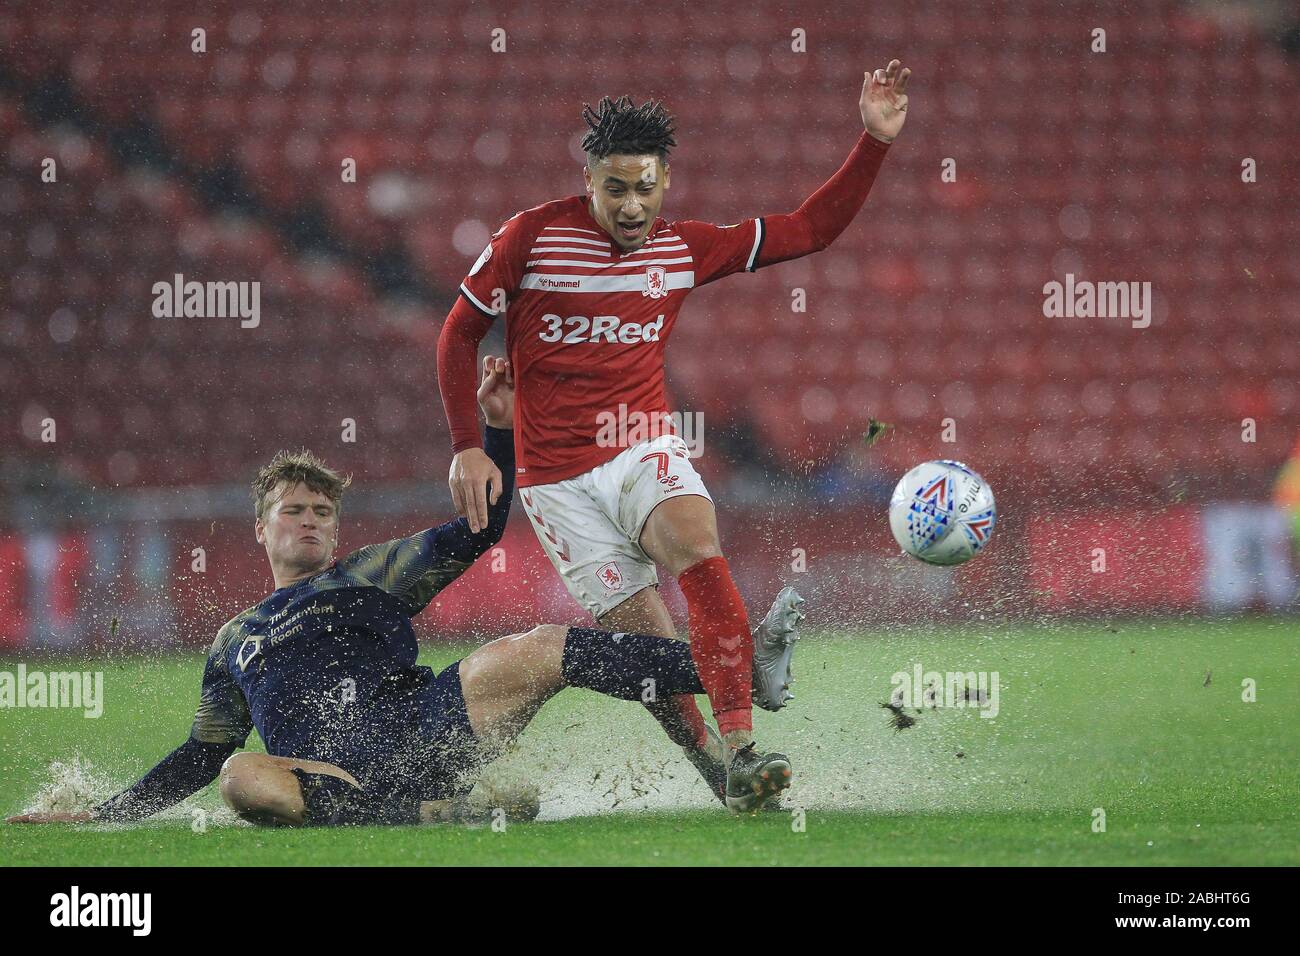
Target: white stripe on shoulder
473, 298
590, 232
758, 241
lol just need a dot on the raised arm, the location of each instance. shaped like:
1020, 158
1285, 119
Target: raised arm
745, 246
826, 213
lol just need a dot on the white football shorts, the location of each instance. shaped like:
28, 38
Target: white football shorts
590, 525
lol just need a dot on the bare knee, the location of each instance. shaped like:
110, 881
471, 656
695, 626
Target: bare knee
692, 553
238, 776
505, 682
643, 613
511, 660
678, 554
678, 548
515, 669
545, 656
548, 636
240, 784
681, 532
261, 791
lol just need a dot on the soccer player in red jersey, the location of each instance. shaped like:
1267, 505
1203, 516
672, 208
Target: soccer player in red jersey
590, 287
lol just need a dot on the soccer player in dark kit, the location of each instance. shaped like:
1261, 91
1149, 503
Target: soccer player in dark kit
325, 667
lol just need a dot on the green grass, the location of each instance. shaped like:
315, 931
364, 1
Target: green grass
1088, 717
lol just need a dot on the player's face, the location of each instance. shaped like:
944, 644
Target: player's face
300, 529
626, 194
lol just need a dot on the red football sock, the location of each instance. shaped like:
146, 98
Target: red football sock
721, 645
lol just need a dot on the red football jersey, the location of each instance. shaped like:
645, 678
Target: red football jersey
586, 323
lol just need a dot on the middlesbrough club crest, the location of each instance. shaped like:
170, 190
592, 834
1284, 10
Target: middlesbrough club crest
655, 286
610, 576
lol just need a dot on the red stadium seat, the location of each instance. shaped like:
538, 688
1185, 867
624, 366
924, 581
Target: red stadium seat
932, 301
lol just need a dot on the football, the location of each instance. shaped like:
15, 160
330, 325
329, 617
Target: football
942, 512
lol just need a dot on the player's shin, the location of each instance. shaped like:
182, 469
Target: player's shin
681, 720
721, 645
629, 666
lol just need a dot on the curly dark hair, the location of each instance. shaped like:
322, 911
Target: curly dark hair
620, 127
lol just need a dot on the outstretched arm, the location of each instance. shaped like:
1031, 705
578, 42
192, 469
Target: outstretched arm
182, 773
827, 212
221, 726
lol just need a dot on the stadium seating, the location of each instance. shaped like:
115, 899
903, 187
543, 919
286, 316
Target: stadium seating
1123, 165
139, 400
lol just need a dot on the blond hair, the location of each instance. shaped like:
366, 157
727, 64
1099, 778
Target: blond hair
297, 467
